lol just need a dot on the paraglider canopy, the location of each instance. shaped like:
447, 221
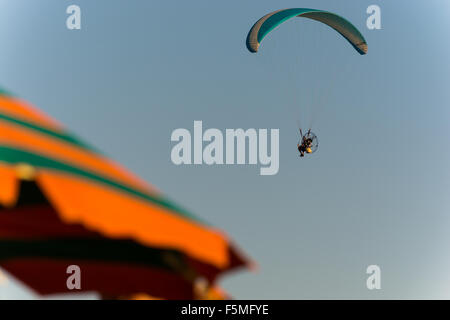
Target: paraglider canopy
270, 21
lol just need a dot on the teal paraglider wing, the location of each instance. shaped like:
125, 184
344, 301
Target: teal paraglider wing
270, 21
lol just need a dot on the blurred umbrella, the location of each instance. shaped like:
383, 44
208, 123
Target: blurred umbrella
63, 203
212, 293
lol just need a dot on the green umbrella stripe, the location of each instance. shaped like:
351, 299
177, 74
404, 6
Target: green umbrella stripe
13, 156
64, 137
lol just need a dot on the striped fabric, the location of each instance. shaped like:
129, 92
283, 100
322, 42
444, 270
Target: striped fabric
88, 189
37, 247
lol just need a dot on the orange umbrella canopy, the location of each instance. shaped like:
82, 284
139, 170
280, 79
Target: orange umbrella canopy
64, 202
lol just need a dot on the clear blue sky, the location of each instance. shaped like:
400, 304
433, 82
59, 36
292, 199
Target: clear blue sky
376, 192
